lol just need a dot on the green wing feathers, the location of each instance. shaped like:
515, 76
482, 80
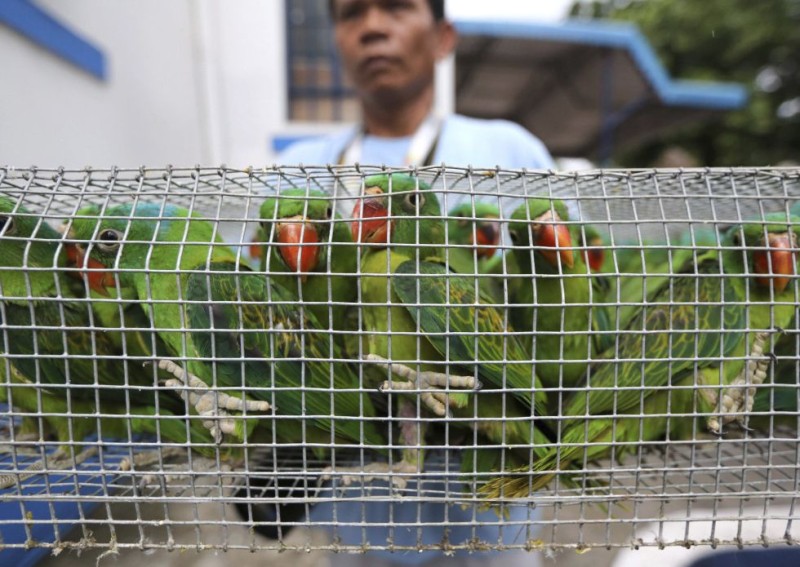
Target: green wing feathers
467, 328
256, 337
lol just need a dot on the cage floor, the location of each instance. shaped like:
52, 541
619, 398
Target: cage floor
679, 493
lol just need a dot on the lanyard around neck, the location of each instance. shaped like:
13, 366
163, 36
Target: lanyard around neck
420, 150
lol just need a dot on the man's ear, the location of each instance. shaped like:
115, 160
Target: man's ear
447, 38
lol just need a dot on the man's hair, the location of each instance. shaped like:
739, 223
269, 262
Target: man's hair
436, 6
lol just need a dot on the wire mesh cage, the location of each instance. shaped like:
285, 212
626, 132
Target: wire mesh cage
429, 359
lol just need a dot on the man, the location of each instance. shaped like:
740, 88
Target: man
389, 49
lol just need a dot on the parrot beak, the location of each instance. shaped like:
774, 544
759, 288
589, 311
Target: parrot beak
371, 222
486, 239
554, 235
595, 256
297, 238
777, 262
96, 274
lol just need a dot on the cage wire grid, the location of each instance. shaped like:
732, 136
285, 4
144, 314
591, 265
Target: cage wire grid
95, 436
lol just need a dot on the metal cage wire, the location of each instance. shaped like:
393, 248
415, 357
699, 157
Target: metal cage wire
92, 424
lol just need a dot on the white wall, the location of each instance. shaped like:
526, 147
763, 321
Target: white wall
188, 82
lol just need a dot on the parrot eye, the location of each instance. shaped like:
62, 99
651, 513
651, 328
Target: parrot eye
109, 240
7, 225
413, 200
514, 236
329, 213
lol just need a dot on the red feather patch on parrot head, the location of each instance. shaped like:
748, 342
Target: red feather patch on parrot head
594, 255
94, 273
486, 238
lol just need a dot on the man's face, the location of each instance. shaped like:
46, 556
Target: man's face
389, 47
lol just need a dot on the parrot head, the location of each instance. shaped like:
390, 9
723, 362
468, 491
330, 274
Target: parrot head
122, 237
390, 210
773, 249
476, 225
296, 222
538, 223
93, 272
591, 242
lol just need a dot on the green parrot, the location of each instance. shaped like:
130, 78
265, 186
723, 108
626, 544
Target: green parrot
60, 364
400, 268
473, 238
467, 327
779, 400
474, 231
144, 252
782, 397
116, 310
673, 350
559, 309
244, 330
593, 253
298, 225
639, 269
230, 314
593, 246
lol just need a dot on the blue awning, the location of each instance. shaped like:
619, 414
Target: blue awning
584, 87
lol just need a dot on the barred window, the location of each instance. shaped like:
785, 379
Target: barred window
318, 90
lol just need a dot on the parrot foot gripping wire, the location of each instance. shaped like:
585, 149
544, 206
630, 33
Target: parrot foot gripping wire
438, 401
207, 402
373, 471
737, 399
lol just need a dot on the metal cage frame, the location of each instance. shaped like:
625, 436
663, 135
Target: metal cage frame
702, 483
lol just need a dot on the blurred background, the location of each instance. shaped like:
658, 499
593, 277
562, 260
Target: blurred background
632, 83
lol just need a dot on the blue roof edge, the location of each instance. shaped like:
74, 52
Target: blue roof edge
622, 35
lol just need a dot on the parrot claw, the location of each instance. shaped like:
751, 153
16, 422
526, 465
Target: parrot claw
437, 401
207, 402
391, 473
714, 426
432, 401
442, 398
737, 399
